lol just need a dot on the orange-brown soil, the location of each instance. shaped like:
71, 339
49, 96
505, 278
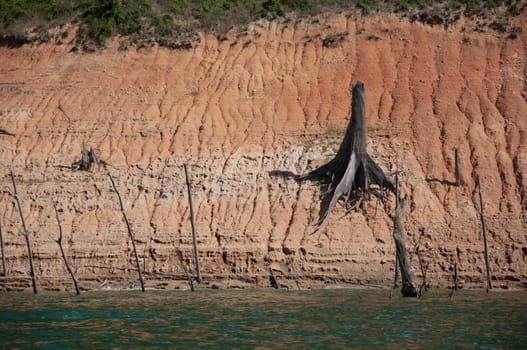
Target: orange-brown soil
270, 98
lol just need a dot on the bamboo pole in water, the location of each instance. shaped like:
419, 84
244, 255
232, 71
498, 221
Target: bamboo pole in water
4, 269
194, 240
484, 231
26, 236
130, 233
59, 242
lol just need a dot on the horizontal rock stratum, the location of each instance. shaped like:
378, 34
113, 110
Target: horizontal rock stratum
234, 109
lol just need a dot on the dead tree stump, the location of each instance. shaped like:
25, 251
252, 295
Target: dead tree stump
352, 172
87, 160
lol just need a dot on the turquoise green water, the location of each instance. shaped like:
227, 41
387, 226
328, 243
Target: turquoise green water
276, 319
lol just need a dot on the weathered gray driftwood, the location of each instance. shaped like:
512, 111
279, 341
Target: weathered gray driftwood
352, 168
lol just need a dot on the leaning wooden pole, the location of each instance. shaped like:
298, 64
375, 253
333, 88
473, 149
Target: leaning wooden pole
194, 240
484, 231
4, 269
26, 236
130, 233
59, 242
396, 274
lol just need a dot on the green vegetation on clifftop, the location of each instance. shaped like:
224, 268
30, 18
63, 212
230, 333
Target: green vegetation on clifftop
173, 23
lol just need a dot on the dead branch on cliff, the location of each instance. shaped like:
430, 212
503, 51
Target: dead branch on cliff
5, 132
59, 242
457, 175
352, 172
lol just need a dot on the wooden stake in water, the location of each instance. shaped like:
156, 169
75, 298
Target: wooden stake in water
396, 274
484, 231
59, 242
130, 233
194, 240
423, 269
4, 269
455, 286
26, 236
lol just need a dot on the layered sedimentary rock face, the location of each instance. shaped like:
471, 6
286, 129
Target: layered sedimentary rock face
276, 97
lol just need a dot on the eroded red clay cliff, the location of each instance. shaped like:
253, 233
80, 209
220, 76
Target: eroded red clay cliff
271, 98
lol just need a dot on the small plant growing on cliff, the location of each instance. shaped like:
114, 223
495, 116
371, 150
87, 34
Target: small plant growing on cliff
333, 131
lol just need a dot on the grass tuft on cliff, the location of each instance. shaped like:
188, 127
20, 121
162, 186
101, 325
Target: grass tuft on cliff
174, 23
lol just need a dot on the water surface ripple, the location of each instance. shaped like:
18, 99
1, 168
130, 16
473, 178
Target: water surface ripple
227, 319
